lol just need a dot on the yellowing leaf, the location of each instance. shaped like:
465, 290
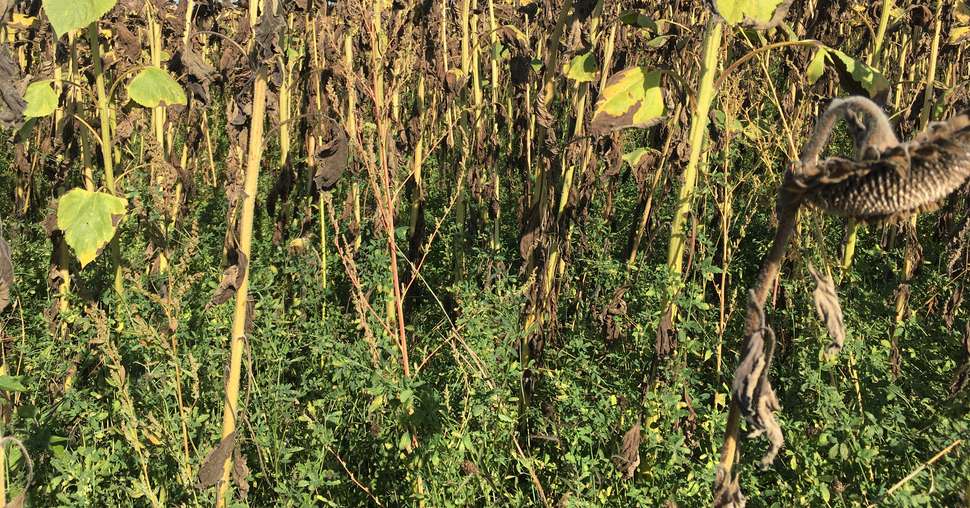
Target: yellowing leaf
41, 99
631, 98
960, 30
153, 87
582, 68
67, 15
88, 220
635, 157
816, 67
21, 22
761, 14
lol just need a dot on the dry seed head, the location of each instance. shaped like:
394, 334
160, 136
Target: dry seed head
907, 179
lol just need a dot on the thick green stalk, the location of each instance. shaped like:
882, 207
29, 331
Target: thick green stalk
887, 7
698, 129
107, 151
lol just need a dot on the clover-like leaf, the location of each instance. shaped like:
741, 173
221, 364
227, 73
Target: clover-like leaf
760, 14
41, 99
88, 220
154, 87
631, 98
67, 15
12, 384
582, 68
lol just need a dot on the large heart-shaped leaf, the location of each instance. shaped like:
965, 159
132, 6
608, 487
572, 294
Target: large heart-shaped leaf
816, 67
631, 98
153, 87
761, 14
67, 15
41, 99
582, 68
855, 75
88, 220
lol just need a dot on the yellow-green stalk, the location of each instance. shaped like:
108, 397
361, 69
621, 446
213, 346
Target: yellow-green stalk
104, 111
238, 340
698, 129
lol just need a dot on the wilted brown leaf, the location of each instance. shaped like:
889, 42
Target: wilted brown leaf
727, 490
240, 472
828, 309
628, 457
232, 278
6, 274
12, 101
331, 157
751, 388
210, 473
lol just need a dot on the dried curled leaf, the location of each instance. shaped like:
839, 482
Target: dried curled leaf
751, 388
12, 103
331, 156
6, 274
232, 278
210, 473
727, 490
240, 472
267, 39
628, 457
828, 309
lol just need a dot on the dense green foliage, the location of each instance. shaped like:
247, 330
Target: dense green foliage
113, 393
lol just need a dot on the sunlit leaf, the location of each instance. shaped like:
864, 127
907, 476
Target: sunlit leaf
631, 98
861, 75
816, 67
67, 15
582, 68
153, 87
41, 99
88, 220
761, 14
633, 158
659, 41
